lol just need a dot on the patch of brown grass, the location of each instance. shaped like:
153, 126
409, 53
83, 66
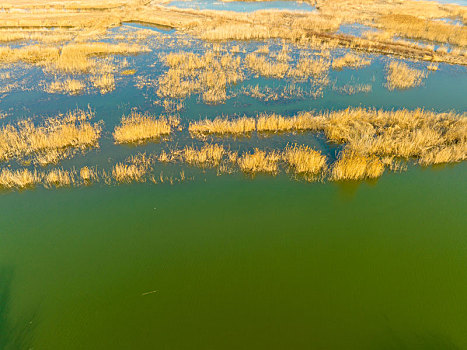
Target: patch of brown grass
221, 126
350, 60
304, 160
401, 76
22, 178
208, 155
139, 127
259, 161
353, 166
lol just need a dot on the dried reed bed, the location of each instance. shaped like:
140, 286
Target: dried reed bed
58, 178
68, 86
427, 136
22, 178
208, 155
277, 123
354, 166
309, 67
54, 136
129, 172
350, 60
139, 127
259, 161
401, 76
223, 125
304, 160
208, 74
70, 58
414, 27
266, 67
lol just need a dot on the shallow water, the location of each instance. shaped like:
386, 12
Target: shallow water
229, 262
242, 6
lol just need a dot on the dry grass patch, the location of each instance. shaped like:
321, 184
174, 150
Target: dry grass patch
274, 122
304, 160
68, 86
353, 166
22, 178
307, 67
87, 174
350, 60
128, 172
431, 137
221, 126
104, 82
259, 161
208, 75
139, 127
266, 67
58, 178
54, 136
208, 155
401, 76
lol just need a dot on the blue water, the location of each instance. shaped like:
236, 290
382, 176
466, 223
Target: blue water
242, 6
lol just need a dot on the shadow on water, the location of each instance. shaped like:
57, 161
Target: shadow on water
14, 334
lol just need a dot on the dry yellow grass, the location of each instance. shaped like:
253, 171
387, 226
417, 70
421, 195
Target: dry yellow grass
274, 122
88, 174
259, 161
353, 166
139, 127
431, 137
208, 155
21, 178
304, 160
220, 125
401, 76
350, 60
266, 67
104, 82
128, 172
58, 178
54, 135
68, 86
307, 67
208, 74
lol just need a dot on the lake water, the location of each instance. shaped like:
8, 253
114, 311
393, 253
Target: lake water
242, 6
230, 261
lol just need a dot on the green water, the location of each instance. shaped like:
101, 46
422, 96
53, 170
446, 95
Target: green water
233, 263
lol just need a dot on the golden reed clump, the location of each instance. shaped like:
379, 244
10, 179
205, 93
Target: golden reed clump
259, 161
353, 166
350, 60
50, 140
221, 125
128, 172
304, 160
208, 155
22, 178
401, 76
277, 123
139, 127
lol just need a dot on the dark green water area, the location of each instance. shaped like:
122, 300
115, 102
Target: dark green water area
231, 261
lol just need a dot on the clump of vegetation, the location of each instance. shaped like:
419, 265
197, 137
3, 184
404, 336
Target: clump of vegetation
304, 160
50, 140
87, 174
266, 67
128, 172
221, 126
401, 76
259, 161
350, 60
208, 155
308, 67
67, 86
353, 166
58, 178
429, 136
139, 127
207, 74
274, 122
22, 178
